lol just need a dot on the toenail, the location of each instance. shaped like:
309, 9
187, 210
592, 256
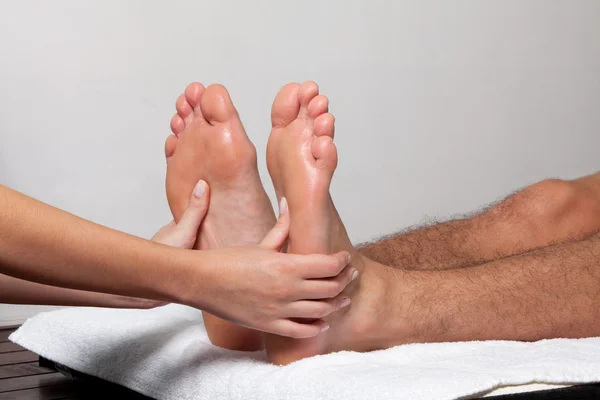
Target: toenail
200, 189
345, 303
354, 275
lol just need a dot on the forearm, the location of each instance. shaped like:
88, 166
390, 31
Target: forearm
43, 244
548, 293
18, 291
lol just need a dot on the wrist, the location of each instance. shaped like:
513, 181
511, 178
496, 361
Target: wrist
185, 278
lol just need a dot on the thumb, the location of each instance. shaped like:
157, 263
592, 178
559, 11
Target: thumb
195, 211
277, 236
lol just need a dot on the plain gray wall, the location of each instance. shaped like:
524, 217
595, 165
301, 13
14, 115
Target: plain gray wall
442, 106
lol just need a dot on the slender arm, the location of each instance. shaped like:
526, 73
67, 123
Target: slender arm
18, 291
43, 244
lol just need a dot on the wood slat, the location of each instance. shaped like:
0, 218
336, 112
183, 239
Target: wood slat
17, 357
33, 381
5, 333
61, 391
16, 370
9, 346
72, 391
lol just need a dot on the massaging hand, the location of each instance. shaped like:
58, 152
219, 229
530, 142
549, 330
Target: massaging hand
263, 289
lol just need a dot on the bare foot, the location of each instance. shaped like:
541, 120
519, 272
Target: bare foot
301, 159
210, 143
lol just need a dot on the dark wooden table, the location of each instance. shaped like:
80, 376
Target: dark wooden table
22, 378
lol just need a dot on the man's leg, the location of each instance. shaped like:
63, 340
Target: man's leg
546, 213
547, 293
391, 306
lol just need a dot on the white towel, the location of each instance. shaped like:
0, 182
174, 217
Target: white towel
165, 354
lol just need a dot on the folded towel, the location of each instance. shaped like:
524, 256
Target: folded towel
165, 353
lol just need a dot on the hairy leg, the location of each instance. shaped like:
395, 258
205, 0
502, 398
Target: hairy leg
546, 213
546, 293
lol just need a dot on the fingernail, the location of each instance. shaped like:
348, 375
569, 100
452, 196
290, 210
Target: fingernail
345, 303
200, 189
323, 329
354, 275
283, 206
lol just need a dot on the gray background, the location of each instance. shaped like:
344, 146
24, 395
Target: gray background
442, 106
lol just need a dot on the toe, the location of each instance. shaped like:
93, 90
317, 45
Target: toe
308, 91
177, 124
193, 94
325, 152
170, 145
184, 109
216, 104
317, 106
324, 125
285, 106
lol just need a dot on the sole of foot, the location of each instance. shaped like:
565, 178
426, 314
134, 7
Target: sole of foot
301, 158
210, 143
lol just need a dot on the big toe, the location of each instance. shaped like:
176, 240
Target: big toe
285, 106
216, 104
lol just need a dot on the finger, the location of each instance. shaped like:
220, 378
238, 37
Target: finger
277, 236
324, 266
296, 330
169, 225
196, 210
163, 232
329, 287
316, 309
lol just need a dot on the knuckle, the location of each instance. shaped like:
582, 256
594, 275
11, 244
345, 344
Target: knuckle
284, 267
282, 292
293, 333
279, 225
296, 333
286, 331
320, 310
270, 309
323, 310
337, 265
336, 288
330, 267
